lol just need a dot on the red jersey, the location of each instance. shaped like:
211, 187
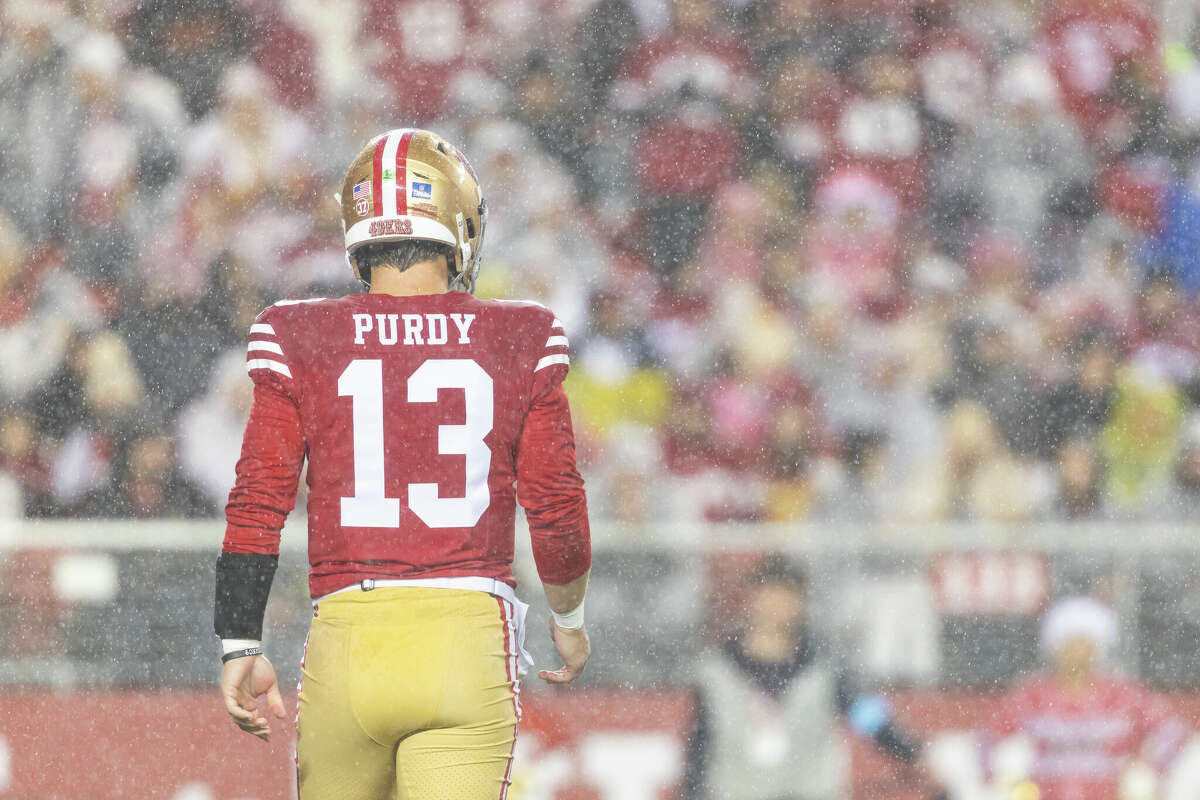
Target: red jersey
417, 415
1082, 742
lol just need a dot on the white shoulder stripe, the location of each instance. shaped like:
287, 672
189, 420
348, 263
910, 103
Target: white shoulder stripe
557, 341
270, 347
266, 363
519, 302
548, 361
557, 324
262, 327
298, 302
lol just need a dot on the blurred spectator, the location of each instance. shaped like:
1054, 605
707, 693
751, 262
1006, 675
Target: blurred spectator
1080, 481
1184, 500
626, 473
59, 402
1103, 292
545, 236
1002, 25
782, 28
612, 380
41, 305
1077, 730
800, 111
541, 102
149, 484
86, 412
769, 702
854, 239
172, 342
1167, 341
210, 428
977, 477
238, 147
418, 47
936, 286
857, 489
191, 44
951, 64
510, 162
697, 56
329, 34
1133, 190
602, 39
991, 372
879, 127
109, 151
113, 390
282, 47
35, 85
794, 441
1140, 440
1018, 154
24, 477
1176, 246
683, 83
1091, 45
1080, 406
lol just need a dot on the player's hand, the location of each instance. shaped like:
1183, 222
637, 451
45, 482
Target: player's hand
574, 647
243, 682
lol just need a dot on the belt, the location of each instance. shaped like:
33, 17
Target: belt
523, 662
474, 584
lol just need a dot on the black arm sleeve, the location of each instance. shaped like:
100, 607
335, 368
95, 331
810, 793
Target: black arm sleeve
887, 734
894, 739
243, 584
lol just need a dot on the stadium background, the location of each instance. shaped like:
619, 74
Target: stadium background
905, 289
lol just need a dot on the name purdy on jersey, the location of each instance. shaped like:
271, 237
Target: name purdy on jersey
418, 328
424, 420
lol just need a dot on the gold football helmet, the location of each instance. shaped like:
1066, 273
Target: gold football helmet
413, 184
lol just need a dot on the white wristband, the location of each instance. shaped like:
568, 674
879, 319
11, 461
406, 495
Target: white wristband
229, 645
572, 620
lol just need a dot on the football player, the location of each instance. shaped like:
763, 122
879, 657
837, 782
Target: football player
418, 407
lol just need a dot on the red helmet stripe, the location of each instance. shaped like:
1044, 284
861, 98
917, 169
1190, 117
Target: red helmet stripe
402, 174
377, 178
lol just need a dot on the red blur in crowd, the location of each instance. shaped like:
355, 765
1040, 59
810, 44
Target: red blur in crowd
1091, 45
417, 46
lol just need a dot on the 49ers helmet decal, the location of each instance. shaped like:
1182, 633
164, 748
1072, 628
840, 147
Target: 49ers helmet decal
413, 184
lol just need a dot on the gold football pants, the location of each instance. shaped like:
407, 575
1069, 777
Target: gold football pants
408, 694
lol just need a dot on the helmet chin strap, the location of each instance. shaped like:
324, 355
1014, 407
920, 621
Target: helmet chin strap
458, 283
462, 280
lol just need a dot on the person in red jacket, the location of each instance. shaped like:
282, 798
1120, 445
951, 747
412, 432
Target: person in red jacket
1078, 731
425, 415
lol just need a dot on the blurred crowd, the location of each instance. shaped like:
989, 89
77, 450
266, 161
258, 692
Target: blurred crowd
916, 260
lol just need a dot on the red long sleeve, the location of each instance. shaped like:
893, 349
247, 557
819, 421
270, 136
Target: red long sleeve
550, 489
267, 472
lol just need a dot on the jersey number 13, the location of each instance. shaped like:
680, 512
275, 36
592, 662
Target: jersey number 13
370, 507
